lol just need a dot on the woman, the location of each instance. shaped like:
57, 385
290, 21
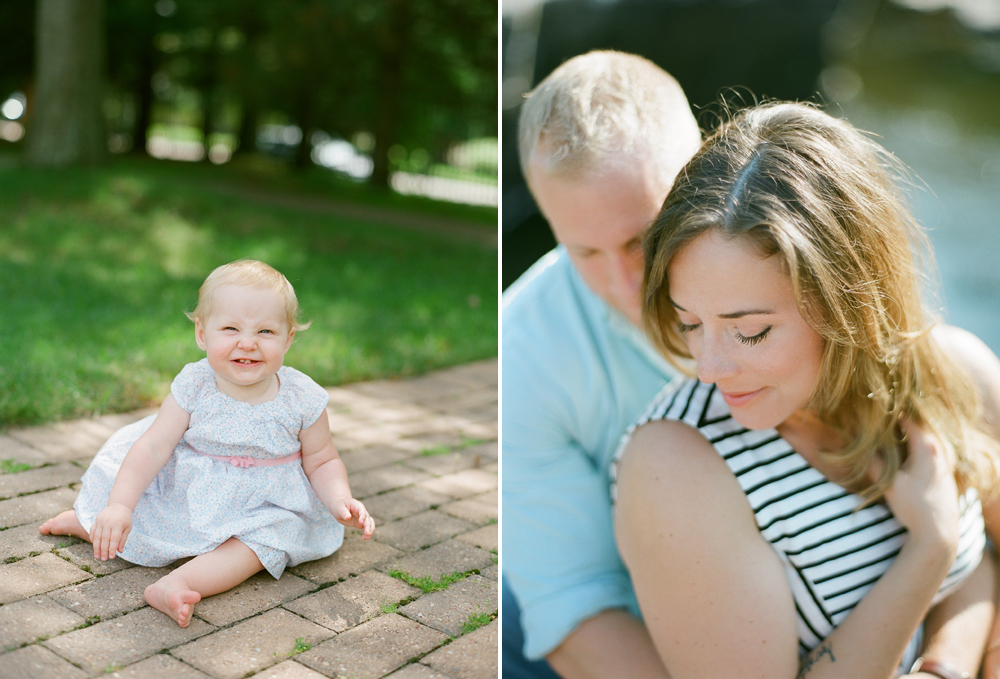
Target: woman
820, 480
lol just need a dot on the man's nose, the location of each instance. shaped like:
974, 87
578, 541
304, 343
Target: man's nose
626, 274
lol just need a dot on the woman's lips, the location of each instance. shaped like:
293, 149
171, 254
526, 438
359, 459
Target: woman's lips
736, 400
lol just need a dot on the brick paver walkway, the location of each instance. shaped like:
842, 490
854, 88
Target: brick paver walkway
418, 601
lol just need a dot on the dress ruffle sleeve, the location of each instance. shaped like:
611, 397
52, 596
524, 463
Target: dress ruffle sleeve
189, 383
310, 398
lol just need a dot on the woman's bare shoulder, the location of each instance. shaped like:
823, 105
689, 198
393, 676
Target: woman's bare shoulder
670, 474
675, 449
966, 349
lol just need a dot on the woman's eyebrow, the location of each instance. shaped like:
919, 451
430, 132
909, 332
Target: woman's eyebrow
748, 312
733, 314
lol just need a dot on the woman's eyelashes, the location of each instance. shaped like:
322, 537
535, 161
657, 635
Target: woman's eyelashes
755, 339
749, 341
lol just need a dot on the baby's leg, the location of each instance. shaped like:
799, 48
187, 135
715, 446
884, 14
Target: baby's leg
65, 524
223, 568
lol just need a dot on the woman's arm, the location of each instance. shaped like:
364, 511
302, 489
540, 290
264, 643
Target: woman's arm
613, 643
142, 463
983, 368
328, 476
956, 629
714, 593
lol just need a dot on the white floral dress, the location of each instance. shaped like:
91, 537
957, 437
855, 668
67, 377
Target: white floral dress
198, 502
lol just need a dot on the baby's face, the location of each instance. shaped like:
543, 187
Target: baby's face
246, 334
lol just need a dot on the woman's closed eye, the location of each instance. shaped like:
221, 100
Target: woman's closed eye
684, 327
754, 339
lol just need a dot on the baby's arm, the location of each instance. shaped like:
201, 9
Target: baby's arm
143, 462
328, 476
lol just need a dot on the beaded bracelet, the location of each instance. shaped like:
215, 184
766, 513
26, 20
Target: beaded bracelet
938, 669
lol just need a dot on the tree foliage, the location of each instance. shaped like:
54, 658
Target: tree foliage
415, 73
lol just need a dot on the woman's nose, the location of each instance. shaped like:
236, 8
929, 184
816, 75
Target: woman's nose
714, 360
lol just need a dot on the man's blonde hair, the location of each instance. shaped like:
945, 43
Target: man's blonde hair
254, 274
603, 111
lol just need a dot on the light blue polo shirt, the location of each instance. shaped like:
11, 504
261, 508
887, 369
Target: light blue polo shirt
576, 373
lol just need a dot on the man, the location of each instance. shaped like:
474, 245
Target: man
601, 140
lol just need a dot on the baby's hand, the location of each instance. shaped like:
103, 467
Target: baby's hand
351, 512
110, 530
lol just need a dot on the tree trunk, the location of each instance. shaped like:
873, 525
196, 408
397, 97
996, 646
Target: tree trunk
144, 103
394, 44
67, 126
208, 94
248, 130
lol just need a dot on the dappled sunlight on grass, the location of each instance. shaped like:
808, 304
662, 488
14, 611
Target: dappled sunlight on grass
98, 267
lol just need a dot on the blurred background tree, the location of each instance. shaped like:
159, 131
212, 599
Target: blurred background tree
69, 79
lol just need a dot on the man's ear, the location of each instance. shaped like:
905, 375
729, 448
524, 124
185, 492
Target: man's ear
199, 334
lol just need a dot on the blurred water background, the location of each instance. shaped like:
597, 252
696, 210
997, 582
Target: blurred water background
923, 75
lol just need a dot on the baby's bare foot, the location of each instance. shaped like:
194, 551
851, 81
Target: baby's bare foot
64, 524
173, 599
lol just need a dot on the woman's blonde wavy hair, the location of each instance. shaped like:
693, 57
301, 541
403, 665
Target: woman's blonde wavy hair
795, 182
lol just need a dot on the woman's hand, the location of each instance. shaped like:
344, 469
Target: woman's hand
352, 513
924, 496
110, 530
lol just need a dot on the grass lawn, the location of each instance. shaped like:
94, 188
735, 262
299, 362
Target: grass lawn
98, 266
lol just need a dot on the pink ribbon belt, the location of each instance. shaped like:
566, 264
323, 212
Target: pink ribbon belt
244, 461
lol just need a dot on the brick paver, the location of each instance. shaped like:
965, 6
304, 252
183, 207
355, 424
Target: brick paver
473, 656
422, 530
159, 666
109, 596
37, 575
397, 504
479, 509
373, 649
472, 600
443, 558
421, 453
353, 601
113, 644
32, 662
25, 621
251, 645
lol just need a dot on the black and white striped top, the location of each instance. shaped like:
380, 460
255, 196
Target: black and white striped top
833, 552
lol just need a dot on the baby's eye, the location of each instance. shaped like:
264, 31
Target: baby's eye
268, 331
229, 327
755, 339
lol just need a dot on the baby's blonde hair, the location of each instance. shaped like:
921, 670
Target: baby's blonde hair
254, 274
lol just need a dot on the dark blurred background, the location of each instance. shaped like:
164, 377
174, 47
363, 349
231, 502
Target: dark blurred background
366, 89
924, 75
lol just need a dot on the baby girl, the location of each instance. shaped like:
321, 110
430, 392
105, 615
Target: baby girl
237, 469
